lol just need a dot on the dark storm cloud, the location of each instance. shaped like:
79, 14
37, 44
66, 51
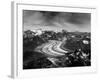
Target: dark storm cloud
80, 18
74, 18
57, 19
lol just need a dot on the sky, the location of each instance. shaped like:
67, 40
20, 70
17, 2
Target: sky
56, 21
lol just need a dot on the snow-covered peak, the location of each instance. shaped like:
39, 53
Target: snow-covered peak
38, 31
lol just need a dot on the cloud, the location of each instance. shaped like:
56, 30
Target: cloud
57, 19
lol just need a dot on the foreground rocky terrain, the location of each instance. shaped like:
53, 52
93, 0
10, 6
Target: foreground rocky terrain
56, 49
